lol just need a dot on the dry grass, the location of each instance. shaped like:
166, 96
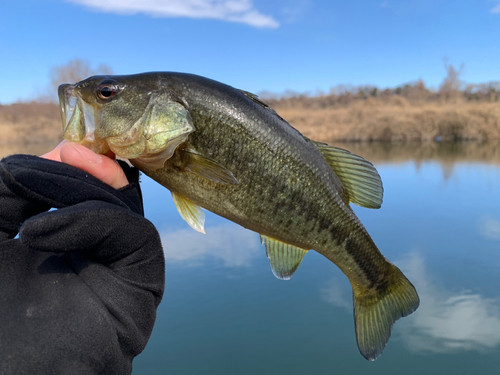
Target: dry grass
395, 120
38, 149
392, 119
30, 123
35, 128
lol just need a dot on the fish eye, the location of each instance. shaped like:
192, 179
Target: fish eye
107, 90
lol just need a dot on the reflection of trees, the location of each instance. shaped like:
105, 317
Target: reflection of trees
447, 170
445, 153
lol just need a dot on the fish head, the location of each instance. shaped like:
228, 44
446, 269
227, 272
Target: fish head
135, 116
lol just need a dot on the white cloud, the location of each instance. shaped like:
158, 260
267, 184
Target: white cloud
490, 227
233, 244
226, 10
445, 321
496, 9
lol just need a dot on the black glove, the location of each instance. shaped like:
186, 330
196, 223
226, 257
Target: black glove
80, 286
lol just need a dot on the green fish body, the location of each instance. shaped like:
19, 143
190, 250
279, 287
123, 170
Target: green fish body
222, 149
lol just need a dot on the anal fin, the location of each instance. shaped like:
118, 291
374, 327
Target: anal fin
190, 212
284, 258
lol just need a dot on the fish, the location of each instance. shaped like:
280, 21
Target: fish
225, 150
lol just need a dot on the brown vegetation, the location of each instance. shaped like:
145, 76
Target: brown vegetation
30, 123
410, 112
36, 127
395, 120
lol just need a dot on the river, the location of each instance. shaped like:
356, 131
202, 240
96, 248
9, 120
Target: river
224, 312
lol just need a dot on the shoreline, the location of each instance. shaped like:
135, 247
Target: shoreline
371, 121
377, 152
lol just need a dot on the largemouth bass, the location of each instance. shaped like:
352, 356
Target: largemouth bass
223, 149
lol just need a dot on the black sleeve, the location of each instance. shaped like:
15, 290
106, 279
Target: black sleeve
80, 286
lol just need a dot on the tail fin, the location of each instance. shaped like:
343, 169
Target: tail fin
375, 313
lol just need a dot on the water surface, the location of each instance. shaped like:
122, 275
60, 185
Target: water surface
225, 313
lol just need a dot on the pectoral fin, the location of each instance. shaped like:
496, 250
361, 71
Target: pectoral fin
359, 176
284, 258
190, 212
207, 168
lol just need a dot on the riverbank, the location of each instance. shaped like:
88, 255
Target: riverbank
393, 119
30, 123
396, 120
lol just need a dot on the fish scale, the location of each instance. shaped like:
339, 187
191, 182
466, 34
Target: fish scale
230, 153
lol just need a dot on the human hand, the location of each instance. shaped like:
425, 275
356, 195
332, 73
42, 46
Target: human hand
102, 167
79, 287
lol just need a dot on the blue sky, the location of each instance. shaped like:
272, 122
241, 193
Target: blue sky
255, 45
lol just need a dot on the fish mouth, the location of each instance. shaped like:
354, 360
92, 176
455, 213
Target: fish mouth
79, 119
67, 103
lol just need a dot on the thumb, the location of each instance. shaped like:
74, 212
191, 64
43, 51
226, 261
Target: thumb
100, 166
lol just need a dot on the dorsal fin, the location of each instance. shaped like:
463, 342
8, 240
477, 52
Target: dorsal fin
284, 258
254, 98
359, 176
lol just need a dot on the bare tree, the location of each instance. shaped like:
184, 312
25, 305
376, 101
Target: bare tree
451, 85
73, 71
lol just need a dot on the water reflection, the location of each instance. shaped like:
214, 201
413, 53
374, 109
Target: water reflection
455, 225
234, 245
338, 295
489, 227
445, 153
447, 321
